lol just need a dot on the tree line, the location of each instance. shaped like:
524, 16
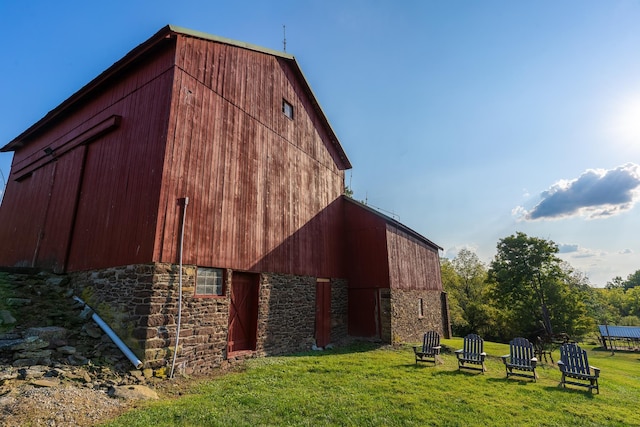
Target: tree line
527, 290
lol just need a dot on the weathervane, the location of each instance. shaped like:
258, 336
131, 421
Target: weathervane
284, 39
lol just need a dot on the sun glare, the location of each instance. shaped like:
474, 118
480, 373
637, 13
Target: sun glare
624, 125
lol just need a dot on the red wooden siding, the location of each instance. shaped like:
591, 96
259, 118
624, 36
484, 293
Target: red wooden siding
116, 215
368, 266
364, 312
95, 206
382, 253
197, 118
261, 186
413, 265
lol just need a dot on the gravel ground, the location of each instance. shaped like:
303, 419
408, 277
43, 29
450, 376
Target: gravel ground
64, 405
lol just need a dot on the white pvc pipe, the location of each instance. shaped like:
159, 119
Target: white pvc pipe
111, 334
175, 350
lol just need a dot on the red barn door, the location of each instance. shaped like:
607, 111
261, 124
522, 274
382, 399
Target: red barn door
364, 313
323, 312
243, 312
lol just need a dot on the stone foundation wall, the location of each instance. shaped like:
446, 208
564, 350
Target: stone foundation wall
286, 314
386, 316
139, 303
118, 296
406, 322
286, 317
339, 310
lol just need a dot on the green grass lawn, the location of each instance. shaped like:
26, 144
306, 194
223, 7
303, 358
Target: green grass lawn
363, 385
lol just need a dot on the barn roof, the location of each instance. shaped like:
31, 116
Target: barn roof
395, 223
137, 52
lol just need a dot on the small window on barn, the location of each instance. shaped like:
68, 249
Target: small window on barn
420, 308
287, 109
209, 282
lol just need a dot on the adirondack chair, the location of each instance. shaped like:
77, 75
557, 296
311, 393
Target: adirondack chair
472, 353
543, 349
521, 357
430, 349
575, 368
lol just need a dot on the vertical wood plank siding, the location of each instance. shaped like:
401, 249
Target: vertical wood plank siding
367, 243
263, 188
412, 264
103, 193
382, 255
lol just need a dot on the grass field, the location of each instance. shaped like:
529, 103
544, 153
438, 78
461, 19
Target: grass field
364, 385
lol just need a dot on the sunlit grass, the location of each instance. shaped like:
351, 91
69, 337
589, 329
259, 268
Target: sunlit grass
369, 386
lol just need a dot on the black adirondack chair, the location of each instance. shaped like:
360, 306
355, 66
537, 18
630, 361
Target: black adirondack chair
472, 355
575, 368
521, 360
430, 350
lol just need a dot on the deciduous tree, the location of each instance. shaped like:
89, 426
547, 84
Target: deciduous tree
533, 288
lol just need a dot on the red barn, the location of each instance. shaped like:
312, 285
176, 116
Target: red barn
206, 164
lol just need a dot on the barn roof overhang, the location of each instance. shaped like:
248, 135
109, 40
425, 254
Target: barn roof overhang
168, 32
394, 223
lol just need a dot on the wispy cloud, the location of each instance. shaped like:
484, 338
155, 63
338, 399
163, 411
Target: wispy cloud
574, 251
597, 193
565, 249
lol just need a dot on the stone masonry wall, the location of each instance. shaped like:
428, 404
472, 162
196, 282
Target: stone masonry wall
139, 302
286, 316
116, 294
406, 323
339, 307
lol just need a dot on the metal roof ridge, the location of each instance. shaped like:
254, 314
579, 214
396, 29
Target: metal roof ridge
393, 221
212, 37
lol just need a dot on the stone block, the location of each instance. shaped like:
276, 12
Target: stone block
6, 318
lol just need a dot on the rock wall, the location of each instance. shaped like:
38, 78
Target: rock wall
339, 310
139, 303
286, 319
413, 312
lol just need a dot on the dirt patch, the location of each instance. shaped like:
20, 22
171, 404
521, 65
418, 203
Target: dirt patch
63, 405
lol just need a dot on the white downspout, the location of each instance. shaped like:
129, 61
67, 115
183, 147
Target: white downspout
175, 350
116, 340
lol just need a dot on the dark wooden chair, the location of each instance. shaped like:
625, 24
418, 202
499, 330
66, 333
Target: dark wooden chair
472, 354
575, 368
521, 360
543, 349
430, 350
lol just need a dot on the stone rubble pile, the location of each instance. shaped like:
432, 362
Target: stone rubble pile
47, 356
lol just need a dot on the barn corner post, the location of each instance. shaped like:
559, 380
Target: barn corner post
183, 202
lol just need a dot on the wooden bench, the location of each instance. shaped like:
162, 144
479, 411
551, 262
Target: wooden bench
575, 368
472, 353
430, 349
521, 358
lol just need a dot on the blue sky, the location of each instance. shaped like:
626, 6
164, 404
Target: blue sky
468, 120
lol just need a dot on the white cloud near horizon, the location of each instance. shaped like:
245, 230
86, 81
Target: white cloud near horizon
596, 193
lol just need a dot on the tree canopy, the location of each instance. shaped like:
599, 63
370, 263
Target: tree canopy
527, 290
539, 293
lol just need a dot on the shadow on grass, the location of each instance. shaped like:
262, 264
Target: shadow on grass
457, 372
575, 391
356, 346
512, 381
